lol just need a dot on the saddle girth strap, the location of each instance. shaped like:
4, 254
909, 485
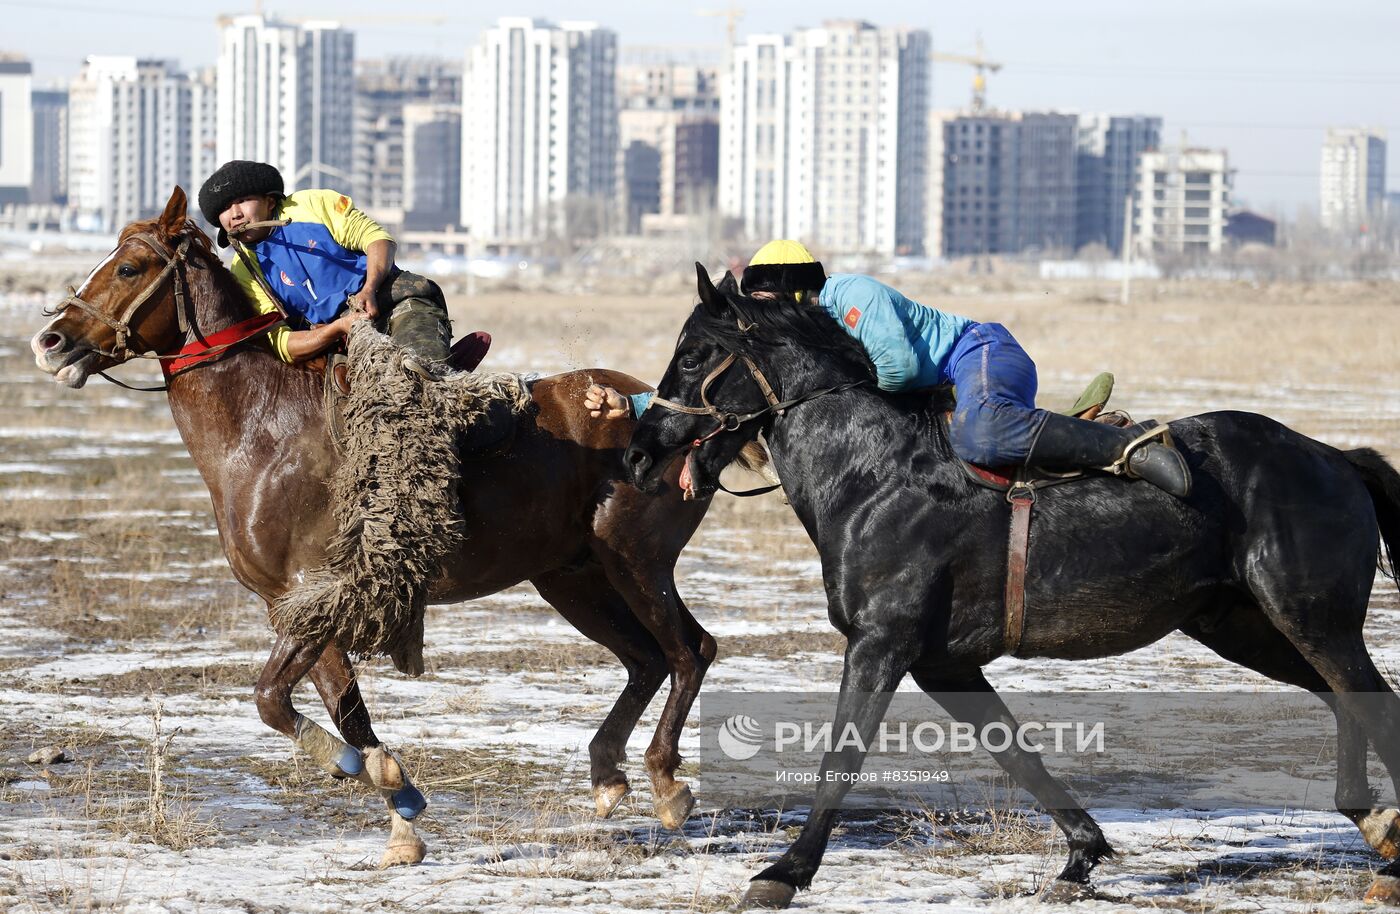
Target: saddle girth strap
1022, 499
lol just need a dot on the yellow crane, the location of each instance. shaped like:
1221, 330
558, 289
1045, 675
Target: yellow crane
731, 15
980, 64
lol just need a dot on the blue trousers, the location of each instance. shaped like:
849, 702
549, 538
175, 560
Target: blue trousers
995, 422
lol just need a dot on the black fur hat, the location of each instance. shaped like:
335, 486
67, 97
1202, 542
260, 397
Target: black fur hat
233, 181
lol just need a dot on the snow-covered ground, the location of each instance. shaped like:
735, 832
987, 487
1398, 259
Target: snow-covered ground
116, 603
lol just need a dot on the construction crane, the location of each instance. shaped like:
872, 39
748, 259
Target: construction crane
978, 62
731, 15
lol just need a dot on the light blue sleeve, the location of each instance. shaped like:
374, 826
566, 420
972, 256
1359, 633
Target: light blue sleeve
640, 402
866, 307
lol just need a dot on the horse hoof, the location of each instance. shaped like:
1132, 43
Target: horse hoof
1385, 890
674, 811
1062, 891
768, 893
408, 801
1381, 830
406, 852
609, 798
405, 848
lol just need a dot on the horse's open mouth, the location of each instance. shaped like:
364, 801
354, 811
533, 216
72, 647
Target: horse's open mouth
76, 369
693, 486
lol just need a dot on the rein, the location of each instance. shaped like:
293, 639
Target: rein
731, 421
195, 352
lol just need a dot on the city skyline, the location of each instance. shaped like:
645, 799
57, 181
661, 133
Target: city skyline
1263, 79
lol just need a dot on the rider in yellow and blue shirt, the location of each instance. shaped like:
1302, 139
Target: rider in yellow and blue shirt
995, 422
325, 257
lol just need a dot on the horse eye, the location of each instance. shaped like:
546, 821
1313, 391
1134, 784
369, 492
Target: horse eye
689, 363
127, 269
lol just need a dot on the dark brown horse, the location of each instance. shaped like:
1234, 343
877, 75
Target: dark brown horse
554, 509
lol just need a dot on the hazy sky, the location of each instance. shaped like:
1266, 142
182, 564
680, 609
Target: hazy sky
1263, 78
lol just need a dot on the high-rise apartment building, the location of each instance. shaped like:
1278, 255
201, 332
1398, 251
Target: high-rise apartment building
204, 128
130, 138
50, 182
825, 137
16, 129
1106, 173
1003, 183
432, 160
384, 90
668, 129
286, 96
539, 130
1182, 202
1353, 178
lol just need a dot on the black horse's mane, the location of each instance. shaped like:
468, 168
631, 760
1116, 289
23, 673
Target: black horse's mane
778, 322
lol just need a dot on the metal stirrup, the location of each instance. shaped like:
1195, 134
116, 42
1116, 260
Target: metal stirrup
1120, 466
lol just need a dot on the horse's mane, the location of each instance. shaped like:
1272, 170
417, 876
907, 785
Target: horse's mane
780, 322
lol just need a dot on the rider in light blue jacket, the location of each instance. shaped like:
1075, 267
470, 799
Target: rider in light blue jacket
995, 422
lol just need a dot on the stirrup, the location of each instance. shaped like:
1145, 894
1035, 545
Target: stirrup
1120, 466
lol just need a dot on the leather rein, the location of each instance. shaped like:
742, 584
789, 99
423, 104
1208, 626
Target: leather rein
193, 353
730, 421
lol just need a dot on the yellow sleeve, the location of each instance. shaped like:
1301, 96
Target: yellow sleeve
255, 292
350, 227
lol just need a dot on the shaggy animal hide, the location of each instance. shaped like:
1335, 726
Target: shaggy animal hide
395, 502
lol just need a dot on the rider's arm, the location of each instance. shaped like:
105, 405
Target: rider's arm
867, 309
304, 344
605, 402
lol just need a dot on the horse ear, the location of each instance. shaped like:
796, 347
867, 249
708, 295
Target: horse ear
728, 285
710, 297
173, 219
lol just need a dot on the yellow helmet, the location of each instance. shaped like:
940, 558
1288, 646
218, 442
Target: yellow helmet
784, 267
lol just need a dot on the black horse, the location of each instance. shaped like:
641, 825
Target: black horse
1269, 562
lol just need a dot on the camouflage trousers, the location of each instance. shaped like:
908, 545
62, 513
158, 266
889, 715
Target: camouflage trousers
413, 311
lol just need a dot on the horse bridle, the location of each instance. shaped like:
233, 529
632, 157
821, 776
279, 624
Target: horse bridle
122, 325
731, 421
122, 351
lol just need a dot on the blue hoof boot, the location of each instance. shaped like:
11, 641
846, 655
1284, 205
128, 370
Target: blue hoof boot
350, 762
408, 801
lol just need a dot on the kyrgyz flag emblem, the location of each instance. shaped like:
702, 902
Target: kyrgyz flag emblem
852, 318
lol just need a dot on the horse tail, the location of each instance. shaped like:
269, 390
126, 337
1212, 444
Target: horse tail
1383, 482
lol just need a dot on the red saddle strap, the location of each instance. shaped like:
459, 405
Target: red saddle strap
216, 344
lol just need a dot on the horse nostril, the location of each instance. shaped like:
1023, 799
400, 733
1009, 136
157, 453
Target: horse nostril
51, 340
636, 459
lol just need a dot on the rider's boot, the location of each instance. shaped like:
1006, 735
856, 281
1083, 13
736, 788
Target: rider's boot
1068, 443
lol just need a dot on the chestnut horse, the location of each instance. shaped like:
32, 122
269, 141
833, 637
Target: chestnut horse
554, 508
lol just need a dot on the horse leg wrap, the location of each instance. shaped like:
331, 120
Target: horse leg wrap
341, 760
384, 773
